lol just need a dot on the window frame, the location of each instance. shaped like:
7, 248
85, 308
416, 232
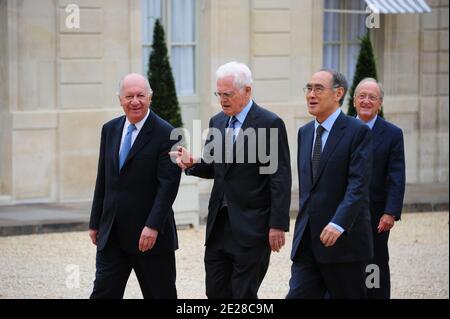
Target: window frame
165, 19
343, 43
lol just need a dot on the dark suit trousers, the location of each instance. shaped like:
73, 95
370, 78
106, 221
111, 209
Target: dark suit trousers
233, 271
313, 280
155, 273
381, 259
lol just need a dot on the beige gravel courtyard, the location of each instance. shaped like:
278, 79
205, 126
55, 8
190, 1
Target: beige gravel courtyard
63, 265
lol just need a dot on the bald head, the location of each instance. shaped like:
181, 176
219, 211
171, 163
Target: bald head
135, 96
134, 79
370, 82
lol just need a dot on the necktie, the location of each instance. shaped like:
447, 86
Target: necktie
230, 139
126, 145
232, 127
229, 142
317, 150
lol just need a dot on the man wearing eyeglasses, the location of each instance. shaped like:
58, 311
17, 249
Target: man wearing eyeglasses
249, 206
332, 239
132, 221
387, 186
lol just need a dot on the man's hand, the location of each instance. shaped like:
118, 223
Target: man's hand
386, 223
329, 235
93, 235
184, 159
148, 239
276, 239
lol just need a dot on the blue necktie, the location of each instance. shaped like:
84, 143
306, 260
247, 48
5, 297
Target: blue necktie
232, 127
317, 151
126, 145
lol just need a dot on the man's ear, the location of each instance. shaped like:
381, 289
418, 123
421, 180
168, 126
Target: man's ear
340, 93
248, 90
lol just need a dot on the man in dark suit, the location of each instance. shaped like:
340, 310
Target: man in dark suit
250, 199
332, 240
387, 187
132, 222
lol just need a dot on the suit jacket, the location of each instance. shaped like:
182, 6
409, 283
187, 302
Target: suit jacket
256, 202
142, 192
387, 187
340, 193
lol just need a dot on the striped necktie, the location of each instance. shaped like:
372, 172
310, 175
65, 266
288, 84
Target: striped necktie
317, 151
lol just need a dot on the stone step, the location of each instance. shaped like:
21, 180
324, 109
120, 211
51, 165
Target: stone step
5, 200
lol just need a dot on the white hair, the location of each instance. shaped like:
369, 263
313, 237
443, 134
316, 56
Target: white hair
372, 80
149, 89
242, 76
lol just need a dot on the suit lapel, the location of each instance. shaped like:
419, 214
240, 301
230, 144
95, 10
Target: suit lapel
378, 131
306, 151
221, 125
334, 137
143, 137
116, 139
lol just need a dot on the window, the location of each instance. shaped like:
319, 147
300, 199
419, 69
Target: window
179, 20
344, 24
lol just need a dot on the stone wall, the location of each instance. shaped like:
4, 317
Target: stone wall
433, 109
60, 83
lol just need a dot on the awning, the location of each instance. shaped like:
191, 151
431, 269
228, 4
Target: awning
398, 6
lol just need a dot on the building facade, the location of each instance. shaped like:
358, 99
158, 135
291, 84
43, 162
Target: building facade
59, 78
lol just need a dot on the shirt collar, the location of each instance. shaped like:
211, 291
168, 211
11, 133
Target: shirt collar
139, 124
371, 123
329, 122
243, 114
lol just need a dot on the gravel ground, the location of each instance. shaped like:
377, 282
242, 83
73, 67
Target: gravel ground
63, 265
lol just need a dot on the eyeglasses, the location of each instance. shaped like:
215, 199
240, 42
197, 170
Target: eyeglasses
318, 89
140, 97
226, 95
372, 98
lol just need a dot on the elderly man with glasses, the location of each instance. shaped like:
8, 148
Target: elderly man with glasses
387, 186
249, 205
332, 239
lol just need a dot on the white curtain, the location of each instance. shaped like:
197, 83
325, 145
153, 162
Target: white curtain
183, 66
183, 45
334, 45
356, 28
332, 4
332, 56
151, 10
352, 58
332, 39
183, 17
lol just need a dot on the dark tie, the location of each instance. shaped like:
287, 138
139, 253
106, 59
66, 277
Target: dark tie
230, 139
126, 146
232, 127
229, 142
317, 150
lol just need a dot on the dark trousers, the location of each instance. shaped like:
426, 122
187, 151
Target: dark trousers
156, 274
313, 280
233, 271
381, 259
